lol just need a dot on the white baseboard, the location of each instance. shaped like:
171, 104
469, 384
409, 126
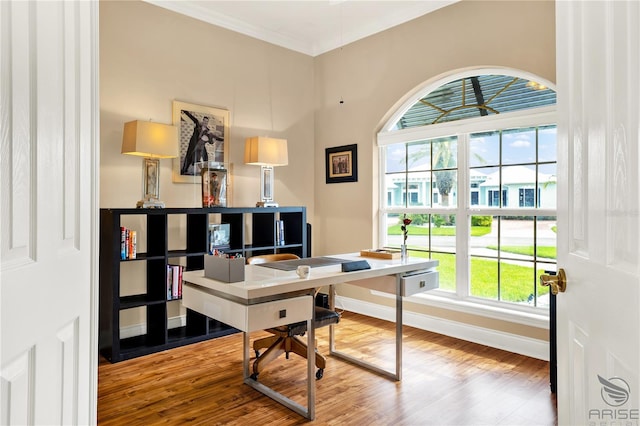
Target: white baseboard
496, 339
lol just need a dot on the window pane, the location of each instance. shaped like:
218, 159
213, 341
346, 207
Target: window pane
484, 236
515, 179
482, 180
484, 149
446, 183
396, 158
546, 238
395, 189
446, 270
445, 153
516, 238
419, 156
517, 282
484, 278
518, 146
419, 189
547, 185
443, 232
547, 144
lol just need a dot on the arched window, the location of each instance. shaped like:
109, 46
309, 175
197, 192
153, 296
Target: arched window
471, 159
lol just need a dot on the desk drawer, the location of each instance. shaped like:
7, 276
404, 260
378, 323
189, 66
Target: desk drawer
248, 317
418, 283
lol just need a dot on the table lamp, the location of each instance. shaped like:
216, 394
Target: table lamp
152, 141
266, 153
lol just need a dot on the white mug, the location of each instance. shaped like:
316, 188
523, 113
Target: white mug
303, 271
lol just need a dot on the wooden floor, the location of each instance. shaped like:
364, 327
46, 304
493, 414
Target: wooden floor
445, 382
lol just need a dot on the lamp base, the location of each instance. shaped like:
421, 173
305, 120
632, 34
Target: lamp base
266, 204
152, 203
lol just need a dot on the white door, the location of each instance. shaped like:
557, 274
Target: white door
598, 70
48, 128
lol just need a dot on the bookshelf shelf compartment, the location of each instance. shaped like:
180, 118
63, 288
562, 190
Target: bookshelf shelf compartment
154, 229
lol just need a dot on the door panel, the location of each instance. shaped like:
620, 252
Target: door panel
598, 191
48, 110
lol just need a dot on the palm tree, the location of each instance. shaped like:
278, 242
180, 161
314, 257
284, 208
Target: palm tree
443, 153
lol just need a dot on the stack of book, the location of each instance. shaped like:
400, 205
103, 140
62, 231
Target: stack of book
280, 232
127, 243
174, 282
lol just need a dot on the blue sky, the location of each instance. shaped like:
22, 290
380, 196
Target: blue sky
518, 147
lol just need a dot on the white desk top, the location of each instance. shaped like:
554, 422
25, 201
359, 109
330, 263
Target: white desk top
262, 282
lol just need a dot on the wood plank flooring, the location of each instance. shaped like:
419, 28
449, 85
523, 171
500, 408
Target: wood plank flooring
445, 382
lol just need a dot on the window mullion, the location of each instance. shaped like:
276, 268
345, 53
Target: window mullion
463, 219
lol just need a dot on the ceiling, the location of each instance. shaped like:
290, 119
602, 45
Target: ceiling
311, 27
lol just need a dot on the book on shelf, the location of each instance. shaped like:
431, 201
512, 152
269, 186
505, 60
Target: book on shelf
128, 243
174, 281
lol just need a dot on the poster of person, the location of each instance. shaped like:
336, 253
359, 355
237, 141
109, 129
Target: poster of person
214, 187
203, 136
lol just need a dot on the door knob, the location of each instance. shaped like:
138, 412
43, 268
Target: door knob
558, 283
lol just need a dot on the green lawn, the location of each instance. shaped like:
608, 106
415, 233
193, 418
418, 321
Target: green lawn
548, 252
447, 231
516, 281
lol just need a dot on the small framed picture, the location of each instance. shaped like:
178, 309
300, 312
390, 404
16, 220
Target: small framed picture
214, 187
341, 164
151, 186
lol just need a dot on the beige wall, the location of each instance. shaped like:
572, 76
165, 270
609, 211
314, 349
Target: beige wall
374, 74
150, 56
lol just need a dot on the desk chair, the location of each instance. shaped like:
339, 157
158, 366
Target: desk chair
284, 338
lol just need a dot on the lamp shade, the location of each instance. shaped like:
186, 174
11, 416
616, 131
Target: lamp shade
149, 139
263, 151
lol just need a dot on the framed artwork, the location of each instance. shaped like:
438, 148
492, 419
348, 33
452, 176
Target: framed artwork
151, 185
203, 140
214, 187
341, 164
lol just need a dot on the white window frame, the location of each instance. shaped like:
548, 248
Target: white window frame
461, 300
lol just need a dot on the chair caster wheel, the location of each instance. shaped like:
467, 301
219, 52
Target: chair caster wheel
254, 376
319, 373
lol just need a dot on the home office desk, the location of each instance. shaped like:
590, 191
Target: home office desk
271, 297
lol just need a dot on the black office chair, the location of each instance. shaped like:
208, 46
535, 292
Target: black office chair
284, 339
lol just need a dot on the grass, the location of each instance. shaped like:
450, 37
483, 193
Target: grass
517, 281
445, 231
548, 252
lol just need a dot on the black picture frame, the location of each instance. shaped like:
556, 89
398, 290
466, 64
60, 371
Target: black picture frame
341, 164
